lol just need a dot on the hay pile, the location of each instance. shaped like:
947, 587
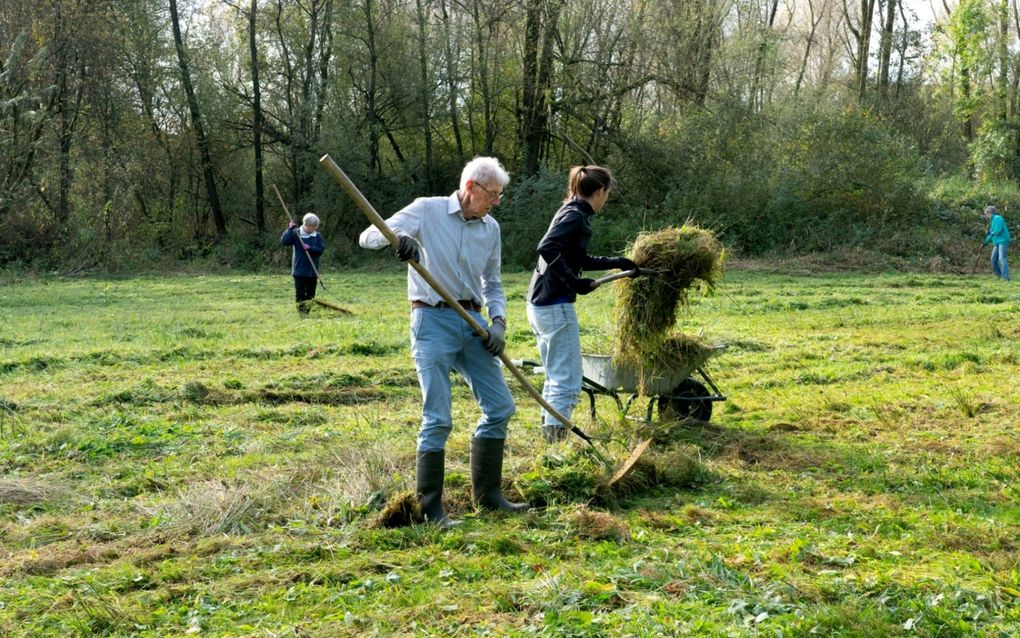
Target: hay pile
646, 307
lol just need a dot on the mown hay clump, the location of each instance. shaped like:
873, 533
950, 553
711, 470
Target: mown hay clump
646, 307
403, 509
599, 525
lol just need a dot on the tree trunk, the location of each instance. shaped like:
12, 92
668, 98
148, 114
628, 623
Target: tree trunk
196, 120
758, 79
483, 78
539, 33
371, 97
807, 47
451, 83
885, 47
260, 204
424, 94
1002, 95
864, 46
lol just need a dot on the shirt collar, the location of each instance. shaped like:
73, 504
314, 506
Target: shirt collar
453, 208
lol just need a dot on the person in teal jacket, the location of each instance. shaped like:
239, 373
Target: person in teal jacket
998, 237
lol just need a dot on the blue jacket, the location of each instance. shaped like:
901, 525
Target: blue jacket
997, 232
299, 266
563, 256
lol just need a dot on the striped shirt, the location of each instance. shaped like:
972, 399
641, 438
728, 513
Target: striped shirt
463, 255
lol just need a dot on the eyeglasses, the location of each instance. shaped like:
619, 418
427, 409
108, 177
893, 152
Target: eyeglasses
495, 197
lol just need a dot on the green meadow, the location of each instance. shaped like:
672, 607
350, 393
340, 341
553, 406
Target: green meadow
184, 456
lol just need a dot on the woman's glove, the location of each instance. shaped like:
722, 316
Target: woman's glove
626, 264
586, 285
497, 339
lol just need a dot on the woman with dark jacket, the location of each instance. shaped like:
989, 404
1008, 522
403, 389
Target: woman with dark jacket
304, 263
558, 279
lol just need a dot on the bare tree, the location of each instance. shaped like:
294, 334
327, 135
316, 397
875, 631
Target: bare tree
539, 35
885, 45
196, 122
257, 119
861, 30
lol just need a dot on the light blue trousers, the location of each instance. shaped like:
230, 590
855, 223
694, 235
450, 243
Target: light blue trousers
559, 344
999, 264
441, 341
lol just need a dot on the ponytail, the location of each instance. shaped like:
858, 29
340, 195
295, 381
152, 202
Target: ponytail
585, 181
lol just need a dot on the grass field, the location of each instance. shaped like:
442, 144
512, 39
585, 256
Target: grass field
183, 456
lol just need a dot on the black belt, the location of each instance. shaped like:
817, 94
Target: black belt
467, 304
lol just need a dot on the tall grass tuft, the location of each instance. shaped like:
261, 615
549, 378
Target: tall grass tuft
963, 401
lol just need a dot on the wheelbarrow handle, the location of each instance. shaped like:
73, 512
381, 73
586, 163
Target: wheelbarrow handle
366, 207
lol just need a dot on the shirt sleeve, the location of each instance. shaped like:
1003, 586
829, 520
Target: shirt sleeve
406, 221
492, 283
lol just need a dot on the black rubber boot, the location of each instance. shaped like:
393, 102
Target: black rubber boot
487, 476
429, 474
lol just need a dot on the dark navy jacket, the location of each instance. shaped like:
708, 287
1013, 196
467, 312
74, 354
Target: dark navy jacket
563, 256
299, 266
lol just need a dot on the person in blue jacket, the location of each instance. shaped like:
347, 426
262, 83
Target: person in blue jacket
558, 279
998, 237
308, 247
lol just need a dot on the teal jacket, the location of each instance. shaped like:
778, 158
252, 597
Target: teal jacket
997, 232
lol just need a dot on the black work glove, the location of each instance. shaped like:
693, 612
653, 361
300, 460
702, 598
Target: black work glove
626, 264
407, 249
585, 286
497, 338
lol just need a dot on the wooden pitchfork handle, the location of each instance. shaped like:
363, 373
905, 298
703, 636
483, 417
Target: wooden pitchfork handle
311, 261
626, 273
366, 207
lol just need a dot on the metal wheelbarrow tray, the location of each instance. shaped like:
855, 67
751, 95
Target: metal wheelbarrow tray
677, 392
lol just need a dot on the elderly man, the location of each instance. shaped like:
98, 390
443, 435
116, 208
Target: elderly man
458, 243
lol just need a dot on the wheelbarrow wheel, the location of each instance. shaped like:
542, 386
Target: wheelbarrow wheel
681, 402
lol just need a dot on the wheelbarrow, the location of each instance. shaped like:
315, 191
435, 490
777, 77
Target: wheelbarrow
677, 393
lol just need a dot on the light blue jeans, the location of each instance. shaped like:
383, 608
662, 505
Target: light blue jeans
999, 265
559, 344
442, 341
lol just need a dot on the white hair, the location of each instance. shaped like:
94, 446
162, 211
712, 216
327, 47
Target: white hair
484, 169
311, 219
